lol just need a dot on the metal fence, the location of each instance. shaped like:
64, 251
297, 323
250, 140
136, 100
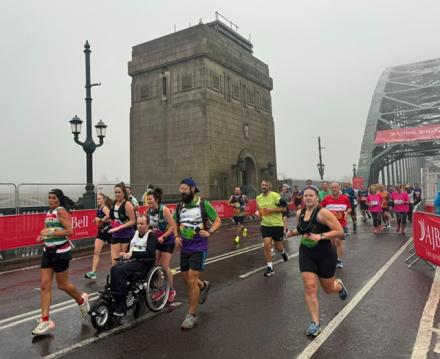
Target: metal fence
32, 197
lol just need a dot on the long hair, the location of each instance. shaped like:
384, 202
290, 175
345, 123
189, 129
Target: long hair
157, 194
121, 186
65, 201
107, 200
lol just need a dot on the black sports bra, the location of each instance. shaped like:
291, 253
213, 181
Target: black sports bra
312, 225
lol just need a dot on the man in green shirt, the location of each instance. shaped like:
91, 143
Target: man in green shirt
271, 207
324, 191
194, 216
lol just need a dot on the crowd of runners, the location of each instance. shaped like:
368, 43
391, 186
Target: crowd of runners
143, 240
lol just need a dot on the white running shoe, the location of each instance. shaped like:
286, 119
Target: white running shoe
43, 327
85, 307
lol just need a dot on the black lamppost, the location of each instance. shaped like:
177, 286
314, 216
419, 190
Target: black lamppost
88, 145
321, 166
354, 170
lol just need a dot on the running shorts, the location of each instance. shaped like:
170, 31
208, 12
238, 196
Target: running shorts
104, 236
192, 260
167, 248
238, 219
320, 260
58, 261
276, 233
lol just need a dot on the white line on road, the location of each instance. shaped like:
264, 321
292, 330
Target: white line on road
248, 274
336, 321
424, 334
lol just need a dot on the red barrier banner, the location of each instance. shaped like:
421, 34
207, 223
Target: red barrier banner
426, 236
358, 182
408, 134
22, 230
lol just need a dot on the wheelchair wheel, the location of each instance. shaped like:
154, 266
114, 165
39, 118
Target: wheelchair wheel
157, 290
101, 314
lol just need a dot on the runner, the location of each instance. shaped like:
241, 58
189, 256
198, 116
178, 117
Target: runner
317, 256
374, 201
238, 202
123, 216
401, 201
410, 191
270, 207
385, 205
132, 199
417, 194
164, 227
297, 197
363, 204
149, 190
324, 191
102, 220
192, 216
56, 258
287, 197
339, 205
351, 194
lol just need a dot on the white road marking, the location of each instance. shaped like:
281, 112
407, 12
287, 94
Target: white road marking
248, 274
345, 311
424, 334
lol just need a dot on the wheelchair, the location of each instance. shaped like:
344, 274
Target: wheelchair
153, 289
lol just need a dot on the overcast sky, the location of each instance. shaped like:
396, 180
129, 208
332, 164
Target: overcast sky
324, 56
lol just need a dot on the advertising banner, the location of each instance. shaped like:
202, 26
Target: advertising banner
426, 236
408, 134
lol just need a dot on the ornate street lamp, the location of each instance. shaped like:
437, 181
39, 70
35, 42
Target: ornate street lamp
89, 146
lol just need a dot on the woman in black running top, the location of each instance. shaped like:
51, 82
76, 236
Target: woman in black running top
317, 256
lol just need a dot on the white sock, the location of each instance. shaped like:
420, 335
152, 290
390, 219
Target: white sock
269, 264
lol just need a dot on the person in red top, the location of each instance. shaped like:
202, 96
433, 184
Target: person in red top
340, 206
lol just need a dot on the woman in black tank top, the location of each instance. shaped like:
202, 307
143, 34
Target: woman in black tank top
317, 257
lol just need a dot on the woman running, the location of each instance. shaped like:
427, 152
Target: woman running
374, 200
164, 227
124, 219
401, 202
317, 256
102, 220
56, 258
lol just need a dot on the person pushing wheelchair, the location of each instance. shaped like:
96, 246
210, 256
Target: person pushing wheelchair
140, 258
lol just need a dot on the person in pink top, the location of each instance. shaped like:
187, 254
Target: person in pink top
401, 208
374, 201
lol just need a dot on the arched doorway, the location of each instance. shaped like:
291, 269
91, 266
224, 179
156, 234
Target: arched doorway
247, 174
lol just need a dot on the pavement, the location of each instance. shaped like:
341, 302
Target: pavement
246, 315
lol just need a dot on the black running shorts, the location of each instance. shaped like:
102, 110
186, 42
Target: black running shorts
320, 260
192, 260
276, 233
58, 261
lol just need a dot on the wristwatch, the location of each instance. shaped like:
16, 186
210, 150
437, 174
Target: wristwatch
321, 236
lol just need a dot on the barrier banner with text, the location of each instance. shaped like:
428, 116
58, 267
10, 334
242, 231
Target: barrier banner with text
426, 236
22, 230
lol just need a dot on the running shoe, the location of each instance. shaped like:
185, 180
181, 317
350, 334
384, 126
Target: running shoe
204, 292
90, 275
189, 322
171, 296
343, 293
158, 294
339, 264
313, 330
43, 327
245, 232
285, 256
237, 240
269, 272
85, 306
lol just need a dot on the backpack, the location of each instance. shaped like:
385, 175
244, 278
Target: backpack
205, 219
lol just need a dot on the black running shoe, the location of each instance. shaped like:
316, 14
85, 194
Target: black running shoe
269, 272
204, 292
285, 256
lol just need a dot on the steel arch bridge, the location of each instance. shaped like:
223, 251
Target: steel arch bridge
407, 97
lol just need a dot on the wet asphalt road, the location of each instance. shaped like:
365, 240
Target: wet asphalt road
248, 317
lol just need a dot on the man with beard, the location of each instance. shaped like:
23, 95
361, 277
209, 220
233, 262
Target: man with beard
271, 207
194, 216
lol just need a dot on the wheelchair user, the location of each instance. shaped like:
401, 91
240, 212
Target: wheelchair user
140, 258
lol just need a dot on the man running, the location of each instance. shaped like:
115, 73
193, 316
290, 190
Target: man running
416, 194
351, 194
339, 205
324, 191
363, 203
238, 202
297, 197
287, 197
270, 207
192, 216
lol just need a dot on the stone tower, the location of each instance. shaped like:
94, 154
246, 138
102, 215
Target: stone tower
201, 107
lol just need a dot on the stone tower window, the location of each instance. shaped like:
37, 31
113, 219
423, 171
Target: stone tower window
216, 82
236, 91
250, 96
145, 92
187, 81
